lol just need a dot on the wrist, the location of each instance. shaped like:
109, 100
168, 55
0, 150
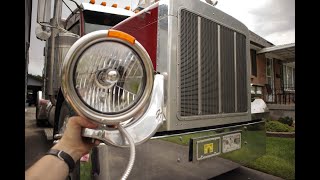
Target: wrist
71, 151
63, 156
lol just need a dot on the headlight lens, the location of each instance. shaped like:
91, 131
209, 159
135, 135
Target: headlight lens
109, 77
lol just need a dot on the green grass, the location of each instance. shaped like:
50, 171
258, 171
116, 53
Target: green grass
249, 152
85, 170
279, 159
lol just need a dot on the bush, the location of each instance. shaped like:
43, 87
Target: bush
276, 126
286, 120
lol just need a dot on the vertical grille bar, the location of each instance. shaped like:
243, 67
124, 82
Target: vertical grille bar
199, 68
235, 70
219, 69
242, 95
189, 64
227, 70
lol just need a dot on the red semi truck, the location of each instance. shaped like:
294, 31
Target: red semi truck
168, 79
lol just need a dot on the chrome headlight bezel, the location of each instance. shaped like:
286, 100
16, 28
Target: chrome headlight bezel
71, 95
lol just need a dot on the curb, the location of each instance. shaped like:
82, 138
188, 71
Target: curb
281, 134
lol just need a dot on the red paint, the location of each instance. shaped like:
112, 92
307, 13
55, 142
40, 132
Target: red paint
143, 27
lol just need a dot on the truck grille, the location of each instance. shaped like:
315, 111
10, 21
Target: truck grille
208, 86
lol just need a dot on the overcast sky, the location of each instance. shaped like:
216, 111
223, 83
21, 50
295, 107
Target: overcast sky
274, 20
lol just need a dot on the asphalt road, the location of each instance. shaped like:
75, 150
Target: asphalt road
36, 145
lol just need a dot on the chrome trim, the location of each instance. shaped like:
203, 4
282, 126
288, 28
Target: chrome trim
168, 58
144, 128
68, 85
199, 68
219, 70
235, 72
205, 10
168, 158
259, 106
163, 9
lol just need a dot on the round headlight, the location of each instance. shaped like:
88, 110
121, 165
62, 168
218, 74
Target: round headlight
107, 79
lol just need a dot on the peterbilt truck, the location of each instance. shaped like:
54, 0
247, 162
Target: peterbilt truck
167, 81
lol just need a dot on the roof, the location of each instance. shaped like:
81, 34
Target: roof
34, 81
258, 40
106, 9
285, 51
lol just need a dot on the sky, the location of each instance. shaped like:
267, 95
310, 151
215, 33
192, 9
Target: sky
274, 20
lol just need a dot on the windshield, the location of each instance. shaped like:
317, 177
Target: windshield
94, 21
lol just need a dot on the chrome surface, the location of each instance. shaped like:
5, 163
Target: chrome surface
142, 129
209, 12
235, 71
51, 112
199, 68
48, 133
54, 22
42, 107
259, 106
168, 62
167, 157
63, 42
259, 109
219, 70
108, 9
68, 83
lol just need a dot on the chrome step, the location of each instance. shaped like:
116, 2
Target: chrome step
49, 133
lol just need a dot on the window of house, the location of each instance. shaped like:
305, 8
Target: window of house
288, 78
270, 79
253, 54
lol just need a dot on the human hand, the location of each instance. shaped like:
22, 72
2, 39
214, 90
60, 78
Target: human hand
72, 142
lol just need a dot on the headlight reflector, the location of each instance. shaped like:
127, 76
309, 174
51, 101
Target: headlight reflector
109, 77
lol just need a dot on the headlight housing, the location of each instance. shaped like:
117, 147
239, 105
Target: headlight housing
107, 78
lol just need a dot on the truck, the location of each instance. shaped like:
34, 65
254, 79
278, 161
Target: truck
168, 82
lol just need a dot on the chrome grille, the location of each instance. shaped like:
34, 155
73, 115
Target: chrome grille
203, 88
242, 96
189, 64
227, 70
209, 67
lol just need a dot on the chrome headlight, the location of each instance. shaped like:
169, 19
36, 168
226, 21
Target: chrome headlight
107, 76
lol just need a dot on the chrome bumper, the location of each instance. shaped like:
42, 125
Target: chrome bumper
167, 157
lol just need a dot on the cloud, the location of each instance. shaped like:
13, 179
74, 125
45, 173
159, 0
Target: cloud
267, 18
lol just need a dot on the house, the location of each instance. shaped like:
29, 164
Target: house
273, 75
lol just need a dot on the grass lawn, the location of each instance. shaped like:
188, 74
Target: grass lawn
279, 159
85, 170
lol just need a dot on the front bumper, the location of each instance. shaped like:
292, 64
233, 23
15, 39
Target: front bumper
167, 157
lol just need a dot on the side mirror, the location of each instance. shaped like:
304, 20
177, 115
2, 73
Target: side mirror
44, 11
43, 17
43, 33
